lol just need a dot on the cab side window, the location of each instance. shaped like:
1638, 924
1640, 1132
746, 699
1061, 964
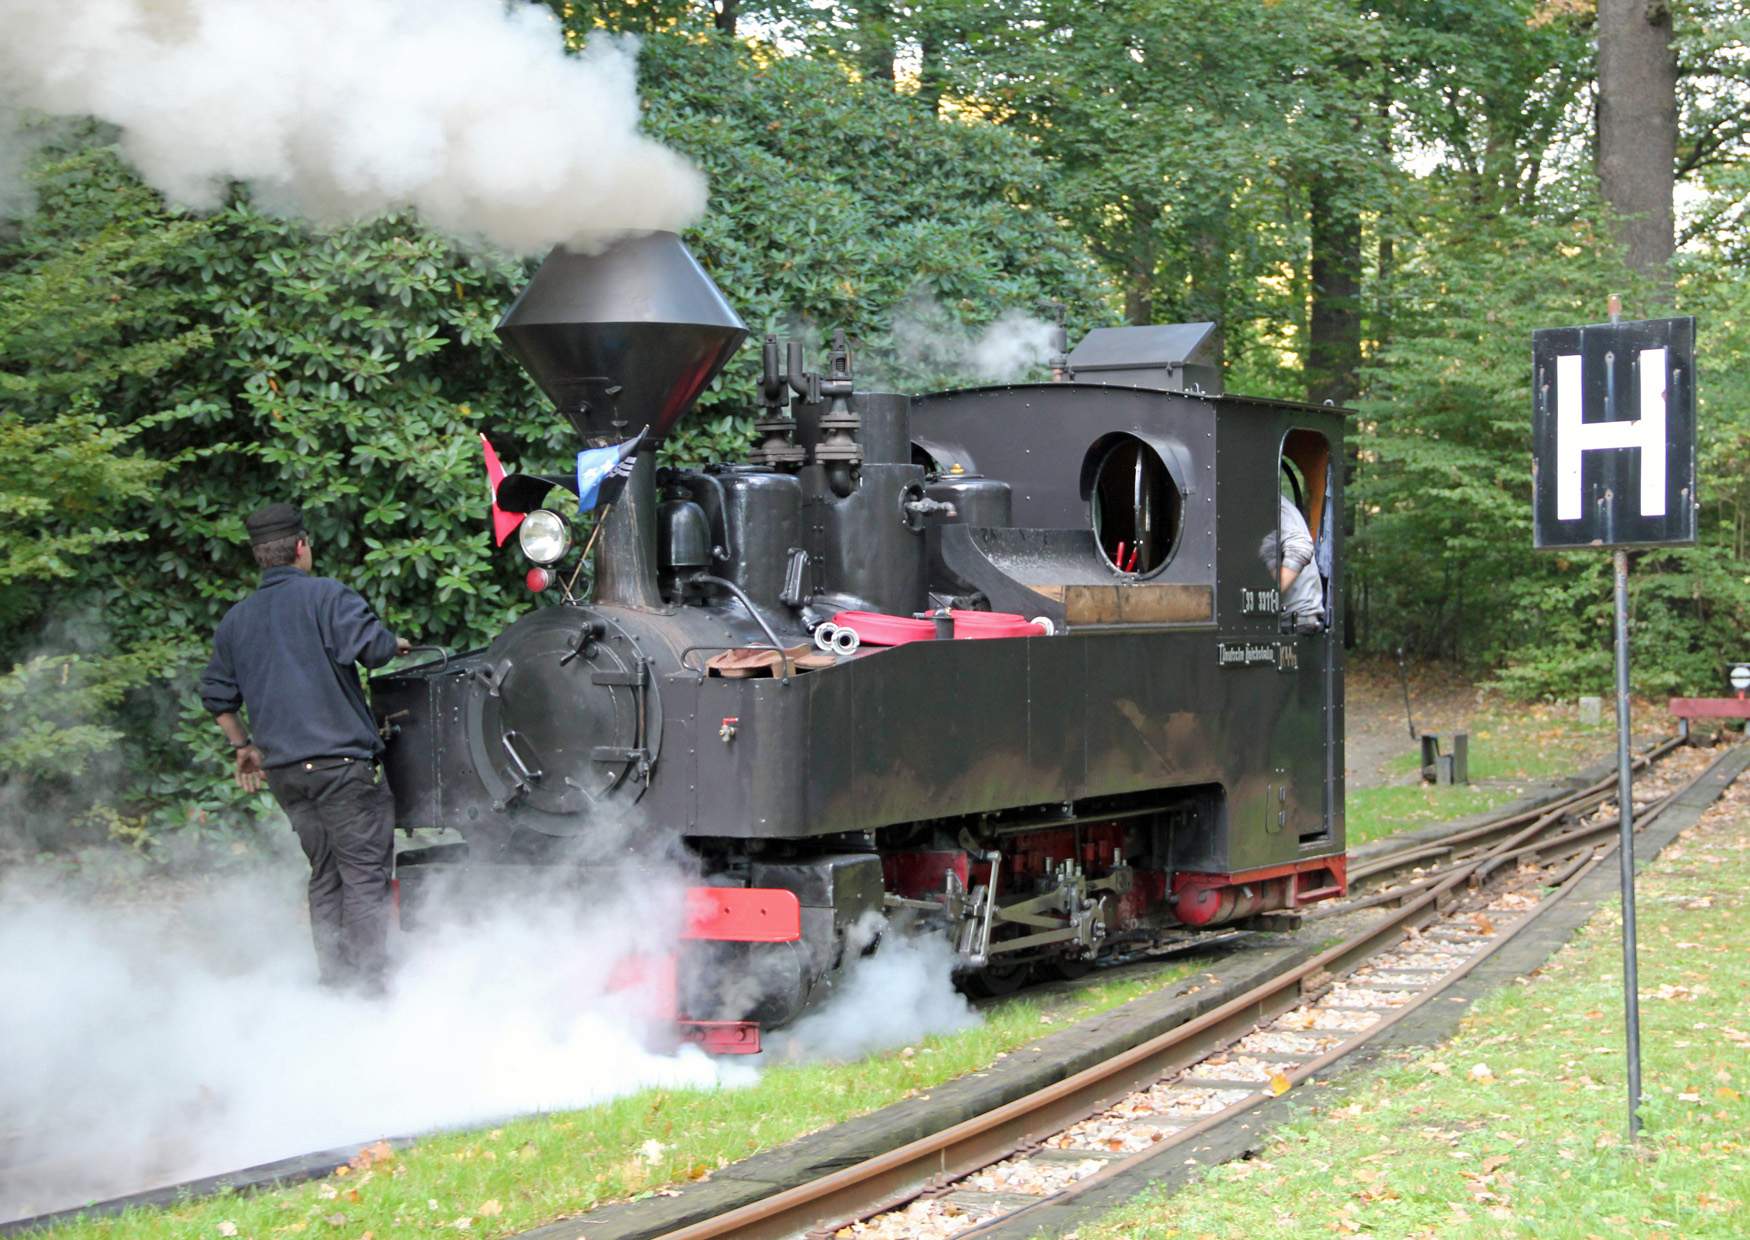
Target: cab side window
1298, 555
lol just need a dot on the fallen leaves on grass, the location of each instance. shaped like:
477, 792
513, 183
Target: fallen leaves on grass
373, 1155
1677, 994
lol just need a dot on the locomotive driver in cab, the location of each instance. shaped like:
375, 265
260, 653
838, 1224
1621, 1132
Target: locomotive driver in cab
287, 655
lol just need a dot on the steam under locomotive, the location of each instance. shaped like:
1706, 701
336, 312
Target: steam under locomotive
1039, 692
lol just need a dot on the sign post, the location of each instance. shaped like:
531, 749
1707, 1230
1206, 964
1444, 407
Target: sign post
1613, 431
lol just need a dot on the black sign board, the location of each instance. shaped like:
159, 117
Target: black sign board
1613, 434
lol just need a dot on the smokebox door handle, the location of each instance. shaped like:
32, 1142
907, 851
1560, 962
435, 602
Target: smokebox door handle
516, 759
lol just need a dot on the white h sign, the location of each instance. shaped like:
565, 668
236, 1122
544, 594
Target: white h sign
1613, 434
1575, 437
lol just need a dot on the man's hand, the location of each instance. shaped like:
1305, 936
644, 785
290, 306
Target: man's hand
402, 646
249, 774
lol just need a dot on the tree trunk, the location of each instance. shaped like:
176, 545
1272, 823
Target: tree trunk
1211, 290
1637, 129
930, 73
1382, 298
727, 12
1333, 355
1139, 276
875, 48
1387, 256
1139, 296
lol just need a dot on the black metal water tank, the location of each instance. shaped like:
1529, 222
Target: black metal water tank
977, 500
764, 520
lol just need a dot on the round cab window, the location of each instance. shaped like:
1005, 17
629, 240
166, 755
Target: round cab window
1136, 506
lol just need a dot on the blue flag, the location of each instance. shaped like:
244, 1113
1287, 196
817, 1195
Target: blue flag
601, 472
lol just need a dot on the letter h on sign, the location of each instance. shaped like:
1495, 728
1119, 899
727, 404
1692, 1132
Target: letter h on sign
1613, 430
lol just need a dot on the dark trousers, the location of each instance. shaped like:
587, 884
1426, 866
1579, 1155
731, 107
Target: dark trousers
345, 819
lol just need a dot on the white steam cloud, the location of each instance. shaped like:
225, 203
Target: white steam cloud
901, 993
148, 1045
926, 337
184, 1035
467, 111
1010, 347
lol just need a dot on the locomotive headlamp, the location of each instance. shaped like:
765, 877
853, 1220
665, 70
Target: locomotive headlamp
544, 536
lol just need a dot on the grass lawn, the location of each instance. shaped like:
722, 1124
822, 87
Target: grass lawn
490, 1183
1516, 1127
1511, 747
1374, 813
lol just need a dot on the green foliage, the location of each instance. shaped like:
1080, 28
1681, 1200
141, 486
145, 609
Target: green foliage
181, 372
1186, 137
81, 320
834, 204
1442, 559
54, 705
872, 164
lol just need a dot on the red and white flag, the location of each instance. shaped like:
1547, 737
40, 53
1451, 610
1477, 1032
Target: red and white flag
503, 523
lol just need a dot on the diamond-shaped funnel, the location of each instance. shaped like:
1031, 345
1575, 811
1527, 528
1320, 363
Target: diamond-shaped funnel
624, 339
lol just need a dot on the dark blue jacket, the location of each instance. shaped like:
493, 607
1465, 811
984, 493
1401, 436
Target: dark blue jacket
287, 652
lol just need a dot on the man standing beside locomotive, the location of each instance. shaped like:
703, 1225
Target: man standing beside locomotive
287, 654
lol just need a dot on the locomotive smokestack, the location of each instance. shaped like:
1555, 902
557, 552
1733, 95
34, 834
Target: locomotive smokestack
623, 340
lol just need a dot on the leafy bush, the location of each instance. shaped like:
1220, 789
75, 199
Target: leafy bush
229, 361
82, 324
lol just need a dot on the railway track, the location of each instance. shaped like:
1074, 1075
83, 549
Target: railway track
988, 1173
1427, 858
1437, 870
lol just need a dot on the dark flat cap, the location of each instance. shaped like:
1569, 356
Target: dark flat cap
274, 522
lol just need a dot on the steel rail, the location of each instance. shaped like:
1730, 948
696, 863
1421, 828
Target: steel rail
1558, 884
1537, 847
1571, 803
888, 1180
1578, 802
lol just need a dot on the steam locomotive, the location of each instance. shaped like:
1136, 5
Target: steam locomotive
1010, 662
